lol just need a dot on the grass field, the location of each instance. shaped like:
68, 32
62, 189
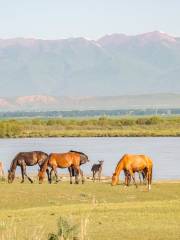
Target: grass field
95, 127
30, 211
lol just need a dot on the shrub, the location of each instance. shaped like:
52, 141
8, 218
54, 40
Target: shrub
66, 231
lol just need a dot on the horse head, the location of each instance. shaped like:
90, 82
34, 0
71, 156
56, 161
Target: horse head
114, 179
11, 176
101, 162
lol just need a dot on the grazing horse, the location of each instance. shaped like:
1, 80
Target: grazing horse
97, 168
71, 160
131, 164
1, 170
24, 159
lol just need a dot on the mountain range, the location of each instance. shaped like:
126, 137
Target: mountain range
114, 65
48, 103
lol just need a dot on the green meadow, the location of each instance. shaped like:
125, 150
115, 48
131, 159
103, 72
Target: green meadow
31, 211
95, 127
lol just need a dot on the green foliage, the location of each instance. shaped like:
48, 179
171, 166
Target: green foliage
93, 127
66, 231
52, 236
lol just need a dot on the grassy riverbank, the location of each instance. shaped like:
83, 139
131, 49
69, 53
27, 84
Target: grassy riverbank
96, 127
30, 211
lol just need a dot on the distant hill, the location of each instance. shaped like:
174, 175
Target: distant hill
46, 103
114, 65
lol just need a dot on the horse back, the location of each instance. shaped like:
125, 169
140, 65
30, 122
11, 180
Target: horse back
137, 162
63, 160
32, 158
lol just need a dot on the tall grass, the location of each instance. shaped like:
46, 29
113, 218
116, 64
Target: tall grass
103, 126
10, 231
66, 230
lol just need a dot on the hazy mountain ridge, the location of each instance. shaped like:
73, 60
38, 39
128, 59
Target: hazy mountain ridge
40, 102
113, 65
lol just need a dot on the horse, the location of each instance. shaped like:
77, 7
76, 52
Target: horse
71, 160
97, 168
24, 159
1, 170
131, 164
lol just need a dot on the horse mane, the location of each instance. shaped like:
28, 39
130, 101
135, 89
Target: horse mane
78, 153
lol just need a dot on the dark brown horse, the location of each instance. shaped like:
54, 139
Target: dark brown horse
24, 159
71, 160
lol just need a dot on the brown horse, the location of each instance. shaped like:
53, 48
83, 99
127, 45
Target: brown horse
24, 159
1, 170
131, 164
71, 160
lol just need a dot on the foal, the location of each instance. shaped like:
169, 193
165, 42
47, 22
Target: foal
97, 168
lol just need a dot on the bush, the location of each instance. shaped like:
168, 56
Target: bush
66, 231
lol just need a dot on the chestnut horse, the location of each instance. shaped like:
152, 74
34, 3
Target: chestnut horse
131, 164
71, 160
24, 159
1, 170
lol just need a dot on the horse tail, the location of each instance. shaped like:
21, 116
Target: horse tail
150, 169
44, 165
43, 169
151, 173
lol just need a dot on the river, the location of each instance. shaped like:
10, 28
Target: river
165, 151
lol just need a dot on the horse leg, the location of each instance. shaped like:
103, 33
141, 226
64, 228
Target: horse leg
93, 176
99, 175
127, 177
2, 172
56, 174
144, 174
77, 169
82, 176
127, 180
70, 173
133, 177
140, 178
149, 178
48, 174
24, 172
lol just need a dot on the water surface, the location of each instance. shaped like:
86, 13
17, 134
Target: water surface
165, 152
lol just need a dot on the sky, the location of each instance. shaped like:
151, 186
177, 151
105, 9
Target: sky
54, 19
